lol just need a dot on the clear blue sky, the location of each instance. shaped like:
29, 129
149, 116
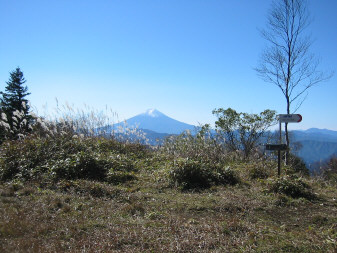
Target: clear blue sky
184, 58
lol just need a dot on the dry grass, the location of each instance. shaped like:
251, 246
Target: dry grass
147, 216
41, 212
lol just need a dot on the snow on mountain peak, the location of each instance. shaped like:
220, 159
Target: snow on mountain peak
153, 113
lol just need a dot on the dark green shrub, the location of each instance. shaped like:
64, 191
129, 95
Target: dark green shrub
297, 165
190, 174
94, 166
121, 169
82, 165
291, 186
224, 176
258, 172
28, 158
9, 165
121, 163
19, 158
104, 145
64, 157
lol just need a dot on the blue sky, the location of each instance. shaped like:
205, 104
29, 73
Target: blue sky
184, 58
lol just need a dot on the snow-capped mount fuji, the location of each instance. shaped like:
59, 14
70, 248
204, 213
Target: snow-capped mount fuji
157, 121
152, 113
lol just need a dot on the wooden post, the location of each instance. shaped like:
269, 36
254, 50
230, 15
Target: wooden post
279, 152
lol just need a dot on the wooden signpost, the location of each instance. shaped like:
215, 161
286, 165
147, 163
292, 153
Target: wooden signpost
276, 146
290, 118
283, 118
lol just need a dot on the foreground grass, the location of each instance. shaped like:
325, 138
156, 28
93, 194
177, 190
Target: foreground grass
145, 215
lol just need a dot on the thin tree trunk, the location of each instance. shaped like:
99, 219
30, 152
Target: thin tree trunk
287, 142
287, 134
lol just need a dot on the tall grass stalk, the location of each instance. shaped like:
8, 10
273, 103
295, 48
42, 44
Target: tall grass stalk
75, 122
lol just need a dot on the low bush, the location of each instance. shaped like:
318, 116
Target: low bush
291, 186
28, 158
297, 166
225, 176
65, 157
259, 172
82, 165
202, 144
191, 174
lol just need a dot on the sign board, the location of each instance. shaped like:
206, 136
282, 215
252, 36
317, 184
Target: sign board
276, 146
290, 118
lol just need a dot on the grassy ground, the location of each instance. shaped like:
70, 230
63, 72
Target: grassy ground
146, 215
70, 186
71, 194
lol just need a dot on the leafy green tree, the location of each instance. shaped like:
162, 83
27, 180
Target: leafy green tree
243, 131
14, 106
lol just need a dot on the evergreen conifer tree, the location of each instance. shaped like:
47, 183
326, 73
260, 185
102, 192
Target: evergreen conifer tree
14, 106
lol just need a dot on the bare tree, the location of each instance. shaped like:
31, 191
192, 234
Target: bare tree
287, 61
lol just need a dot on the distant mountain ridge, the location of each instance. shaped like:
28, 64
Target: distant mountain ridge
317, 144
315, 134
316, 151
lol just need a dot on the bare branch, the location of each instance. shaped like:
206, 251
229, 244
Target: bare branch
287, 62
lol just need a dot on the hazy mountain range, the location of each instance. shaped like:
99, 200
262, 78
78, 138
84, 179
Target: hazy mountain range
317, 144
